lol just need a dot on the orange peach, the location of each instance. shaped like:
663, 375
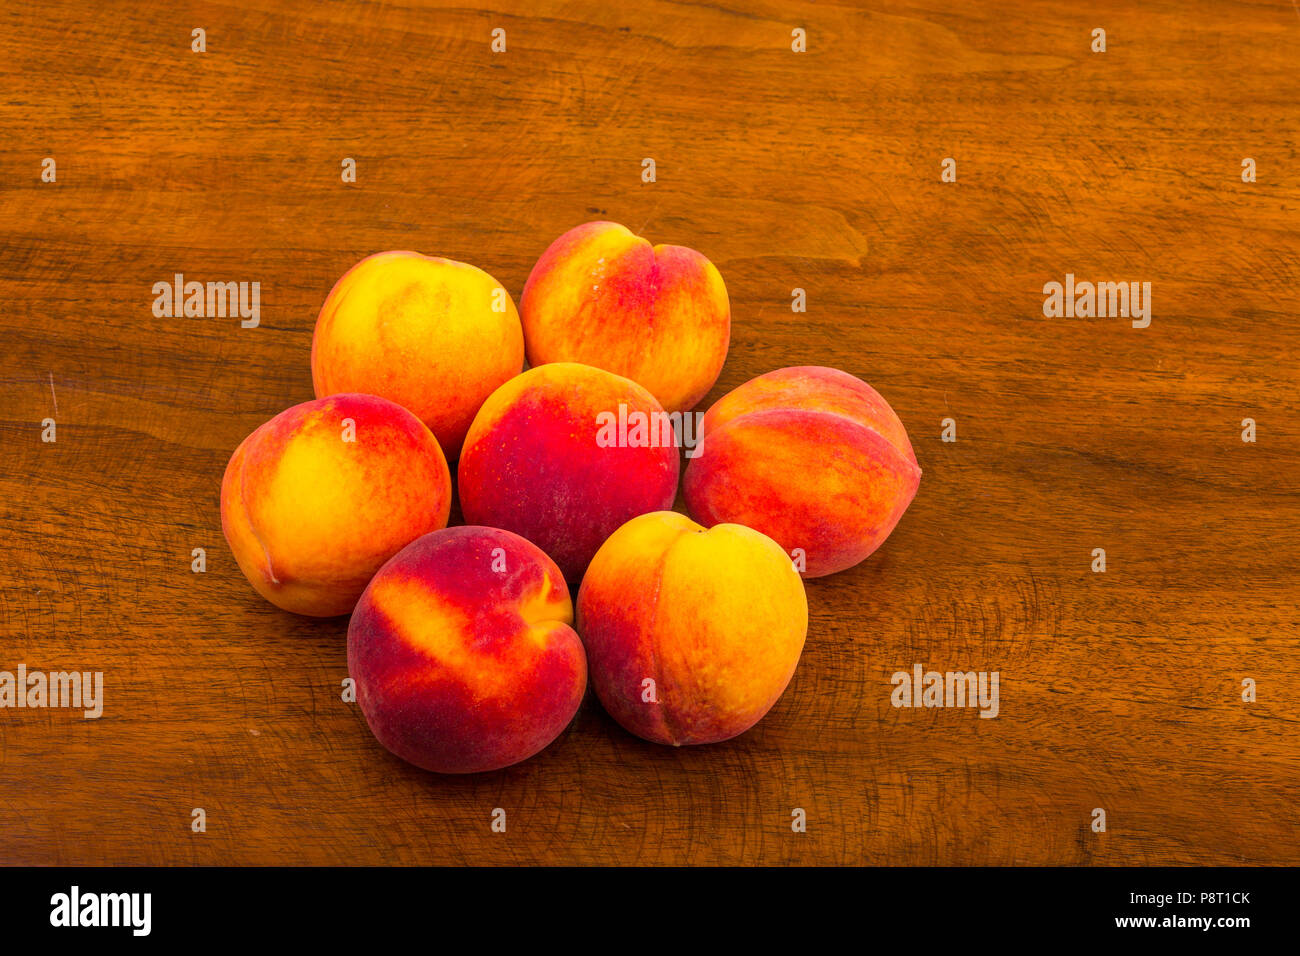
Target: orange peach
541, 461
691, 634
316, 499
463, 652
658, 315
811, 457
431, 334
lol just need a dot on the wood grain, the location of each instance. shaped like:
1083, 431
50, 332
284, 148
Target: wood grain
819, 171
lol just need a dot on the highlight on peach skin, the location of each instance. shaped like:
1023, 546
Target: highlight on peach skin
316, 499
810, 456
691, 634
433, 335
535, 462
463, 651
658, 315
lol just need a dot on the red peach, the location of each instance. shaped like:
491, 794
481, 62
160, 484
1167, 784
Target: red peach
658, 315
463, 652
537, 461
811, 457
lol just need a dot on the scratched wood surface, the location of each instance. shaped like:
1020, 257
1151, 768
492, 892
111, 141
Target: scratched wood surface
1119, 690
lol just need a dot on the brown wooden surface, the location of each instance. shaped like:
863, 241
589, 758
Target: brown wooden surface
821, 171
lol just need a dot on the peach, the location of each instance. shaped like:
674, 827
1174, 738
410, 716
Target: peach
658, 315
433, 335
316, 499
463, 651
539, 460
811, 457
691, 634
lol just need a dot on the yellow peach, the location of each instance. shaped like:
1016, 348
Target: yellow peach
691, 634
433, 335
316, 499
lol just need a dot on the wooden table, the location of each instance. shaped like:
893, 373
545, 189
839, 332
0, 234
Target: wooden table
819, 170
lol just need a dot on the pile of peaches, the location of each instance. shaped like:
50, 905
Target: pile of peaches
464, 645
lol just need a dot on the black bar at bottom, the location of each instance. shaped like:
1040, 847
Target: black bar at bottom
647, 908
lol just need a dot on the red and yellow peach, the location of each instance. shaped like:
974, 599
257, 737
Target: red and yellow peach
810, 456
463, 652
658, 315
316, 499
691, 634
537, 461
433, 335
